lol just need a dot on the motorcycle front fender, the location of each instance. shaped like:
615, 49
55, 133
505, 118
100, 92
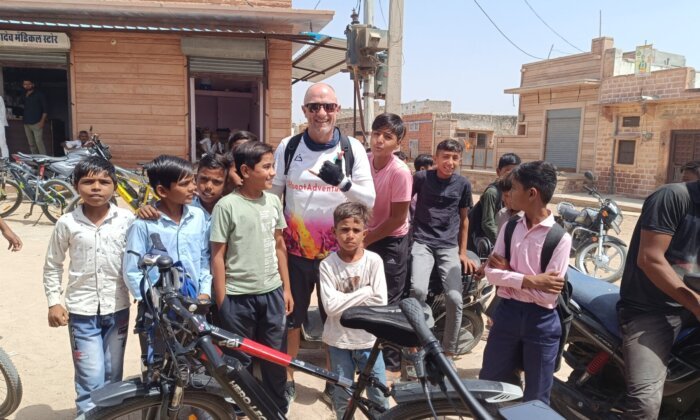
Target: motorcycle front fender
115, 393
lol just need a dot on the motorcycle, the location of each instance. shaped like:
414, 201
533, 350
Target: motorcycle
596, 253
62, 166
596, 386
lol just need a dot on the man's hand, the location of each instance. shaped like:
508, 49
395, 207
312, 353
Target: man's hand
468, 266
15, 244
498, 262
550, 282
148, 212
288, 302
58, 316
332, 172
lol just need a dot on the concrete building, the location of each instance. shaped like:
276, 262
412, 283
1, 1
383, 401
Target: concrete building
633, 124
145, 74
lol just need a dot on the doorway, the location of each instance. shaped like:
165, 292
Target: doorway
222, 106
53, 84
685, 147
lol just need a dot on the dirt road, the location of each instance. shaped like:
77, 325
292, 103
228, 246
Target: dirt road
42, 354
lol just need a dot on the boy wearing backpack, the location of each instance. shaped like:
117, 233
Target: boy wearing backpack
526, 328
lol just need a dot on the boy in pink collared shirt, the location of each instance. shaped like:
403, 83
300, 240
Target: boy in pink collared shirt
526, 328
388, 227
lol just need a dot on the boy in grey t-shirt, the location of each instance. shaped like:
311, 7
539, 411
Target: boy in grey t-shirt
249, 262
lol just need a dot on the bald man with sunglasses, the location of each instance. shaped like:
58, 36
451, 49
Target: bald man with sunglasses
314, 185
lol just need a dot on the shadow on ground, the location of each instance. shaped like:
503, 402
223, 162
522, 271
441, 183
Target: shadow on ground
43, 411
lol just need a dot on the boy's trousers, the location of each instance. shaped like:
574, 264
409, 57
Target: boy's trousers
260, 318
524, 336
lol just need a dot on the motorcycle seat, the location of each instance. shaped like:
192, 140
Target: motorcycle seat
386, 322
42, 159
597, 297
569, 213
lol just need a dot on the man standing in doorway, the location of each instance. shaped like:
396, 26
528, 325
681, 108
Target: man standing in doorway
315, 178
35, 115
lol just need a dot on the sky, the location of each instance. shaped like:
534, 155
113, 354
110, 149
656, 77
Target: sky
452, 52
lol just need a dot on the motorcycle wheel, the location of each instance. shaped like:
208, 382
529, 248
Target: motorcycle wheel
469, 333
609, 268
195, 404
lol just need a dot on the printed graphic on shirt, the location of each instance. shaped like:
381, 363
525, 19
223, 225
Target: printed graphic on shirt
311, 239
350, 284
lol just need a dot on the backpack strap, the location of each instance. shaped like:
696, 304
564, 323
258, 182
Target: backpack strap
550, 244
348, 155
290, 150
508, 235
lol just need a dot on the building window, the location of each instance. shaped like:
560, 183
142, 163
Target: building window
461, 134
522, 129
630, 121
414, 126
481, 140
625, 152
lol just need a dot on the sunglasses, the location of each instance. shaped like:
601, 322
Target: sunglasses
315, 107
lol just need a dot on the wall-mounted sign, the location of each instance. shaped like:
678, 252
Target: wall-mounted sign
643, 59
38, 40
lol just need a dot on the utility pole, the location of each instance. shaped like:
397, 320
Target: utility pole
395, 59
369, 79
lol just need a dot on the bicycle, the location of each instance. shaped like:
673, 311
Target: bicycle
12, 395
18, 180
193, 376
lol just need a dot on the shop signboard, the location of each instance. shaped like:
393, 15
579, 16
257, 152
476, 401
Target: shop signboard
55, 41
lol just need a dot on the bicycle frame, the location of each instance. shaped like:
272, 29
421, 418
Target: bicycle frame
134, 197
24, 176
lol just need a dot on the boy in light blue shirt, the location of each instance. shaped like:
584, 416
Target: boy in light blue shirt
183, 229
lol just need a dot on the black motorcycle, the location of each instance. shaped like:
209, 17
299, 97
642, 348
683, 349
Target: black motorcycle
596, 253
595, 388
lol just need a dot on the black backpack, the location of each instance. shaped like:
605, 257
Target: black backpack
551, 241
475, 215
344, 145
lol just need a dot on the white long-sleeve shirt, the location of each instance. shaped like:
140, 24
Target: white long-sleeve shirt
344, 285
95, 283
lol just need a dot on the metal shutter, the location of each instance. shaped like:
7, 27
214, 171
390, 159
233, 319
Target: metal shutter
32, 56
563, 126
226, 66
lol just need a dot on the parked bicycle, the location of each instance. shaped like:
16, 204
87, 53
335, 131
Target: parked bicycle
10, 384
19, 181
192, 375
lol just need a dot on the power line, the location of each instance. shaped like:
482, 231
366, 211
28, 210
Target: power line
550, 28
504, 35
317, 3
381, 9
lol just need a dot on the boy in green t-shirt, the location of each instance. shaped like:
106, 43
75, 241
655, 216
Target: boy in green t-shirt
249, 262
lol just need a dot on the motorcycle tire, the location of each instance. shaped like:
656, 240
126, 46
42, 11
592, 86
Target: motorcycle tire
12, 385
197, 403
585, 261
470, 331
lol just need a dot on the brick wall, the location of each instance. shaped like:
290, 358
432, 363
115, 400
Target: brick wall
663, 84
425, 133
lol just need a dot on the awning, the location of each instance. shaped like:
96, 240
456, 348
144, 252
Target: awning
157, 17
319, 61
555, 85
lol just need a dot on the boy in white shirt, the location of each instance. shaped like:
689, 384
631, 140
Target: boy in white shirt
352, 276
97, 300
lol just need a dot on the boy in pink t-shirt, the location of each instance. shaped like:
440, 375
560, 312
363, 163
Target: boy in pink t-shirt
388, 227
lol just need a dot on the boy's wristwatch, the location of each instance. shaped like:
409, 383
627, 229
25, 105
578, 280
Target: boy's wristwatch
346, 187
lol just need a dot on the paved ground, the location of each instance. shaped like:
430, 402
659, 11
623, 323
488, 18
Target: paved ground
42, 354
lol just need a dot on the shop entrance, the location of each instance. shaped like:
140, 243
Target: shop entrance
223, 106
53, 84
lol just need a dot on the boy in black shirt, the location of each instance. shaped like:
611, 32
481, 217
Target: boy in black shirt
440, 227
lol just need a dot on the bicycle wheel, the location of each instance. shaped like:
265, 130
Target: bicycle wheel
195, 404
11, 386
10, 197
58, 197
420, 410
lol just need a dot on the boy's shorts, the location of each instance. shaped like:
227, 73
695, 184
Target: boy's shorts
304, 275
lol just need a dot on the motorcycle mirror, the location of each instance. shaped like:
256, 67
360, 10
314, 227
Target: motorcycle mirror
589, 175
